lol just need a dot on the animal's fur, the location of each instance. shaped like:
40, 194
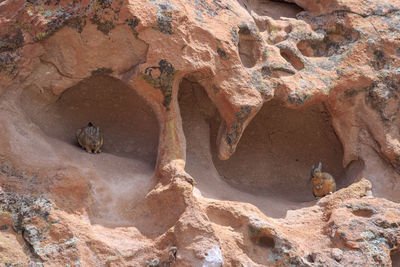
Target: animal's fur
90, 138
323, 182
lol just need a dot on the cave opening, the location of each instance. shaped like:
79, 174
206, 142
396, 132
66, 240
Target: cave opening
292, 58
272, 8
124, 169
248, 48
129, 126
272, 164
279, 148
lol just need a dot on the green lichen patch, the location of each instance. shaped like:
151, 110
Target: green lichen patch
258, 81
164, 19
164, 16
32, 218
40, 36
382, 96
22, 25
105, 26
379, 60
53, 19
11, 41
385, 224
22, 208
105, 14
163, 81
275, 70
236, 130
8, 63
222, 53
235, 36
331, 37
104, 3
133, 23
206, 9
8, 170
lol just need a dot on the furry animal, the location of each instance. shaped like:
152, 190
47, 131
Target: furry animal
90, 138
172, 254
323, 182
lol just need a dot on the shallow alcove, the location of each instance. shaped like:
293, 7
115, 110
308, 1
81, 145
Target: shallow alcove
292, 58
278, 149
272, 8
125, 168
248, 47
129, 126
272, 164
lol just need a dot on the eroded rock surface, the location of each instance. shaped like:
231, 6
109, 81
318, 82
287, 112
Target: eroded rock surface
213, 113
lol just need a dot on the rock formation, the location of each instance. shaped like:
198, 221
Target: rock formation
213, 113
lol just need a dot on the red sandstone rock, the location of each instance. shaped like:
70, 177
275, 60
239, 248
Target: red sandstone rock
213, 113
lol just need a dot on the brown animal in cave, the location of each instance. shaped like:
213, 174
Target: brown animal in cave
90, 138
323, 182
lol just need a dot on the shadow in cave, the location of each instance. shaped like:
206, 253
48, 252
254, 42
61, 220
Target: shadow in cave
124, 169
272, 164
395, 257
279, 147
129, 126
271, 8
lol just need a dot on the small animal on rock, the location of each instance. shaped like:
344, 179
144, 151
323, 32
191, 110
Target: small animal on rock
323, 182
172, 254
90, 138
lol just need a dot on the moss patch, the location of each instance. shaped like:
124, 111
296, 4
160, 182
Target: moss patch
12, 41
237, 128
163, 81
8, 63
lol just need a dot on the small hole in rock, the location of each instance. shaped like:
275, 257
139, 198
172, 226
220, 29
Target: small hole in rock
310, 258
272, 8
363, 213
266, 241
249, 48
290, 57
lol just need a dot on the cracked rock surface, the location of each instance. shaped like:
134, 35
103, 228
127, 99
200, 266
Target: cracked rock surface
213, 114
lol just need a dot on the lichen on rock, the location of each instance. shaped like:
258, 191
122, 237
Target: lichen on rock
213, 114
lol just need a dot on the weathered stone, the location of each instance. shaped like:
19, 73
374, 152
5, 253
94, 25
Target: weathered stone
213, 113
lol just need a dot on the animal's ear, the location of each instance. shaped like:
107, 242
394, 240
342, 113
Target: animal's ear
312, 171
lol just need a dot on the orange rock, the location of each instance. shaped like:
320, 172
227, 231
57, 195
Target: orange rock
213, 113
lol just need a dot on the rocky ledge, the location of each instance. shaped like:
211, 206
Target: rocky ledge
213, 114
